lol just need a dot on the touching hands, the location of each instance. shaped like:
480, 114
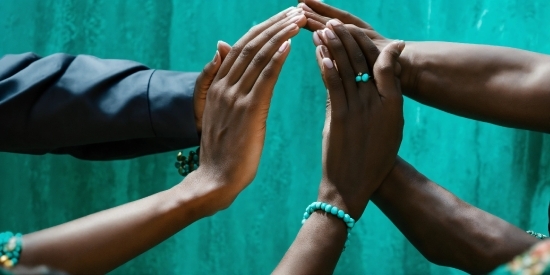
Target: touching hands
319, 13
237, 104
364, 120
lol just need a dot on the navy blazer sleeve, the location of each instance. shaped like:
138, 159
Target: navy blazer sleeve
91, 108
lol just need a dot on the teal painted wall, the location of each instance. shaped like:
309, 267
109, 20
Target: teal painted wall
503, 171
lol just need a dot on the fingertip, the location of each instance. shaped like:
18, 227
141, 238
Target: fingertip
327, 63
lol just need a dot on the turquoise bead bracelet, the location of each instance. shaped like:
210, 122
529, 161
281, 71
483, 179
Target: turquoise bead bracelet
350, 222
10, 249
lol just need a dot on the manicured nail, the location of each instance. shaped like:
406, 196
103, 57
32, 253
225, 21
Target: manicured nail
329, 34
334, 22
324, 52
304, 7
328, 63
295, 11
284, 46
216, 57
317, 39
400, 46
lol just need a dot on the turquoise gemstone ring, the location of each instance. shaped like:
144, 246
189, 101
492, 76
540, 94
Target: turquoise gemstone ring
361, 77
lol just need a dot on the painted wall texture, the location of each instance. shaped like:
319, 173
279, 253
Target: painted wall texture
503, 171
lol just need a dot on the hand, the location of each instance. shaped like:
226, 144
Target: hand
364, 121
205, 80
237, 104
319, 13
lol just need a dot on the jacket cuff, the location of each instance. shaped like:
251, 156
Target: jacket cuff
171, 105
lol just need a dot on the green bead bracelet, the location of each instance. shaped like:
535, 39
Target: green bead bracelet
186, 165
10, 249
333, 210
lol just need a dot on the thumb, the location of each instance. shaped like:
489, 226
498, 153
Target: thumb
386, 69
209, 71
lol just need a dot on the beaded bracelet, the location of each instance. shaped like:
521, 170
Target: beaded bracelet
537, 235
10, 249
350, 222
186, 165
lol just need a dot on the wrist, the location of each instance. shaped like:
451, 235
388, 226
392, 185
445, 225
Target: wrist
410, 69
352, 205
200, 195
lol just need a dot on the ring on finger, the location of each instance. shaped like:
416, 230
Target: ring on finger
362, 77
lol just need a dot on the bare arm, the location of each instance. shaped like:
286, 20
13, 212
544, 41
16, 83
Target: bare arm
505, 86
228, 163
445, 229
100, 242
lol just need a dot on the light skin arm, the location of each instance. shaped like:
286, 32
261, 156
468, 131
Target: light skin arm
445, 229
505, 86
240, 93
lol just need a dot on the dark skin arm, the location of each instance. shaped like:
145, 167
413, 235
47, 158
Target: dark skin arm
233, 134
445, 229
355, 162
504, 86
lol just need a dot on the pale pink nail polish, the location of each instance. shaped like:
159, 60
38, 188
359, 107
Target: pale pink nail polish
317, 39
328, 63
334, 22
329, 34
216, 57
284, 46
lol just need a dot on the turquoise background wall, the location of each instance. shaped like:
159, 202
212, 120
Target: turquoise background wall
503, 171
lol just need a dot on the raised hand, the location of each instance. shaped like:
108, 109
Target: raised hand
319, 13
364, 125
238, 100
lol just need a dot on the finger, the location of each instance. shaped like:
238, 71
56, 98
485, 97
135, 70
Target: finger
313, 25
251, 55
316, 20
205, 78
264, 56
356, 57
262, 91
384, 71
339, 97
340, 55
251, 34
368, 48
328, 11
224, 49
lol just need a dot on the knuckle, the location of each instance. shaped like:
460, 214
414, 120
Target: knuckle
383, 68
260, 58
248, 50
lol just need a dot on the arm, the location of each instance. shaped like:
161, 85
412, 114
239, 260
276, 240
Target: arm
230, 153
500, 85
93, 108
445, 229
354, 162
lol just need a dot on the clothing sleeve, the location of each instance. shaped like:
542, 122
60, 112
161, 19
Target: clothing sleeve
94, 109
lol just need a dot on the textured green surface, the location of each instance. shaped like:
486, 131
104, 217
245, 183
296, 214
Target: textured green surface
503, 171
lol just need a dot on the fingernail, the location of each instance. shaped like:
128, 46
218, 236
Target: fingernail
324, 52
304, 7
295, 11
400, 46
216, 57
334, 22
317, 39
329, 34
328, 63
284, 46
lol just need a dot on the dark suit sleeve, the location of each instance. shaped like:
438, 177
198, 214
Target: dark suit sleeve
91, 108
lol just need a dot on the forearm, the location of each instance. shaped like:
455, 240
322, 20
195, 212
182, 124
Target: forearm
103, 241
505, 86
446, 230
317, 247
